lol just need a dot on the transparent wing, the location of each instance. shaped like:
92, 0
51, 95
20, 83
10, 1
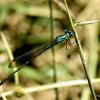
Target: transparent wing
27, 57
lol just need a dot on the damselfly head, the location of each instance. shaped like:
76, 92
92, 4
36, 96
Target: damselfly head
71, 34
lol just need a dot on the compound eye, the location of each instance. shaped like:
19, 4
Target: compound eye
71, 33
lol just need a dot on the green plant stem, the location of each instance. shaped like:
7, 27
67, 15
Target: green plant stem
81, 53
53, 50
16, 77
93, 56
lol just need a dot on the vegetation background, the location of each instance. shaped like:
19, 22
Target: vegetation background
26, 25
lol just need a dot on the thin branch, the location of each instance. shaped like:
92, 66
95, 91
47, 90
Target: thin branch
10, 56
81, 53
54, 85
3, 96
53, 50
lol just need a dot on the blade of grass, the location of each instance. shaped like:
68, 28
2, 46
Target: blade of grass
53, 50
16, 77
81, 53
93, 56
3, 96
53, 85
81, 23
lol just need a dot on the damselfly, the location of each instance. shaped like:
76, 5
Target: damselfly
27, 57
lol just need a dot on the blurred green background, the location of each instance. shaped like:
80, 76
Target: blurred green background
26, 25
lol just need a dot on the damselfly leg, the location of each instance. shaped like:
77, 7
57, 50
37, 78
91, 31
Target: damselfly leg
35, 53
71, 43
